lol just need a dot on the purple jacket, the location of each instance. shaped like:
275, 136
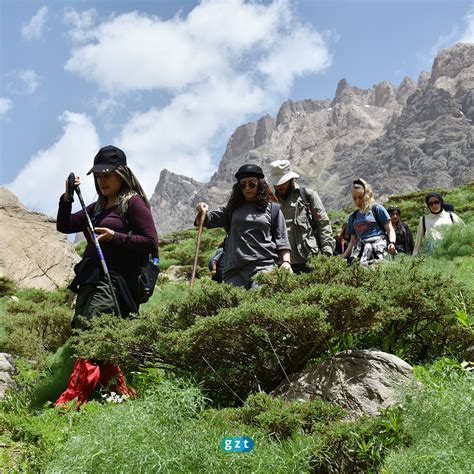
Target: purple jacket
132, 242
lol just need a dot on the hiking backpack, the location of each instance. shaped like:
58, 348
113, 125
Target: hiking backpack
147, 273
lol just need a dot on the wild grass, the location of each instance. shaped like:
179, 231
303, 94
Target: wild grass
167, 430
438, 417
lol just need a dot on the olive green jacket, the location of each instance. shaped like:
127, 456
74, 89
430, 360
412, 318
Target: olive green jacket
300, 234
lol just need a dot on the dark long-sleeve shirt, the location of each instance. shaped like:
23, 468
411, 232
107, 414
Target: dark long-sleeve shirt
132, 242
250, 238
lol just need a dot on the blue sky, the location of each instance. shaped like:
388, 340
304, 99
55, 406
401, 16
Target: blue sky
169, 81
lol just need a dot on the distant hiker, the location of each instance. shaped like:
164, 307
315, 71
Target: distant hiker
309, 228
430, 224
404, 241
342, 240
257, 235
370, 228
126, 232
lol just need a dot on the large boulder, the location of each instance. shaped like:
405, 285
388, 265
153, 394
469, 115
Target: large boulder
33, 253
360, 381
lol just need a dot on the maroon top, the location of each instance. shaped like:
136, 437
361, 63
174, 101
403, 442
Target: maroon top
132, 242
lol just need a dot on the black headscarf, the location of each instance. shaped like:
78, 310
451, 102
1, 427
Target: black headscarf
437, 196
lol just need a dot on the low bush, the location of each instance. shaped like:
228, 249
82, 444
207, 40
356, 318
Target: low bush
279, 418
36, 325
7, 286
238, 342
457, 242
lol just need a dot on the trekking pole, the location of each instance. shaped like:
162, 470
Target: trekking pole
201, 218
96, 241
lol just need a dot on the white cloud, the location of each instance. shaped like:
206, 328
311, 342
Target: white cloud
468, 34
34, 28
23, 82
226, 61
80, 24
5, 106
458, 34
40, 183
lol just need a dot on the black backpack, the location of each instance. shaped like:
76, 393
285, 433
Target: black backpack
148, 272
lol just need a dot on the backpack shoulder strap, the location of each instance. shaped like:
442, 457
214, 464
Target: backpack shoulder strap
377, 219
307, 205
451, 216
352, 216
304, 195
274, 209
123, 211
424, 225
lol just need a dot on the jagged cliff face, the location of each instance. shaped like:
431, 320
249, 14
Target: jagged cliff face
400, 139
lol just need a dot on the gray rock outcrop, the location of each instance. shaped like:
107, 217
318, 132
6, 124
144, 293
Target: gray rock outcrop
401, 139
360, 381
33, 253
6, 371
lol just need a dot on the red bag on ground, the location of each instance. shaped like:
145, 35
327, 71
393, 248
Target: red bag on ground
85, 377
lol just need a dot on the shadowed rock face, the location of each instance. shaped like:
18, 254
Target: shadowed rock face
400, 139
32, 252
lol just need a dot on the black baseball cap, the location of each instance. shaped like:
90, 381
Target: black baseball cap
249, 170
107, 159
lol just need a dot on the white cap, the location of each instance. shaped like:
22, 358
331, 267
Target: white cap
281, 172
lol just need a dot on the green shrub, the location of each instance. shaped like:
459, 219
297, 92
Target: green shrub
237, 342
438, 417
279, 418
457, 242
7, 286
36, 325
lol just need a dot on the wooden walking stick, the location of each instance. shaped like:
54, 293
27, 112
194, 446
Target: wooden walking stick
201, 218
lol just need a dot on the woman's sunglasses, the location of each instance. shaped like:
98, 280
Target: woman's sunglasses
433, 203
249, 184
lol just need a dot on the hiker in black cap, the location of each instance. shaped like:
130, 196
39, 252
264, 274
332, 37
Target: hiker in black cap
127, 235
431, 224
404, 237
126, 232
257, 235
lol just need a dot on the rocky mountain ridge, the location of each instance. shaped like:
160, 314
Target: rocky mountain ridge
401, 139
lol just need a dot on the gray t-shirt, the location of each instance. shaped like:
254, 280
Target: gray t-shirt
250, 237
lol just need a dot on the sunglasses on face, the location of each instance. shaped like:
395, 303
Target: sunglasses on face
433, 203
249, 184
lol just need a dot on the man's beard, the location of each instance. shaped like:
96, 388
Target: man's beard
286, 194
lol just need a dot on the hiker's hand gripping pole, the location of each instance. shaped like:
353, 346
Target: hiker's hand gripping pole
73, 184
